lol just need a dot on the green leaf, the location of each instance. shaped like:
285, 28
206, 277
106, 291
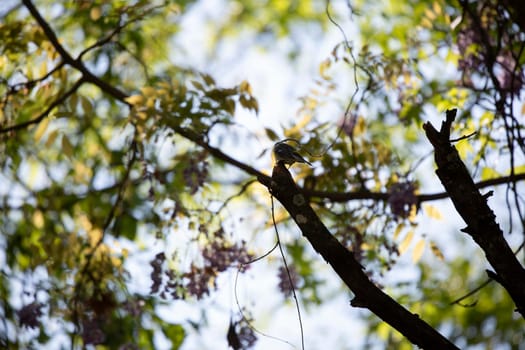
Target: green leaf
272, 135
175, 333
67, 147
87, 106
126, 226
197, 85
208, 79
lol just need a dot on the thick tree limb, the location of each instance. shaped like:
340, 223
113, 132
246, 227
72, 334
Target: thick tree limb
473, 208
217, 153
367, 294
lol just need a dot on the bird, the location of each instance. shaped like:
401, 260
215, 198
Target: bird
287, 154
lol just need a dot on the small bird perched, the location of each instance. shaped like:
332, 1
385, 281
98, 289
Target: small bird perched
287, 154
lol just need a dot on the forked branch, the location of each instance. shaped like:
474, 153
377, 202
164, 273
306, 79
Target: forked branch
473, 208
367, 294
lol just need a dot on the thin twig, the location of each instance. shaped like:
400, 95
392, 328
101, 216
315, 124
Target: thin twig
66, 56
58, 101
464, 137
289, 277
472, 292
356, 82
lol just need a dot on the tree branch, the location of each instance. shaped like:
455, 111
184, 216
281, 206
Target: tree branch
121, 96
473, 208
68, 59
58, 101
117, 30
383, 196
194, 137
284, 189
367, 294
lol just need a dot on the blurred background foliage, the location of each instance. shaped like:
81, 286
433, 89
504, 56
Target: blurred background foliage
89, 175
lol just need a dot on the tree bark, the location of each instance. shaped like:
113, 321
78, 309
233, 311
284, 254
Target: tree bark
367, 294
473, 208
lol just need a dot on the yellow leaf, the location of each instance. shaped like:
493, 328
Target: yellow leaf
134, 100
41, 129
43, 68
148, 91
34, 172
51, 138
94, 235
150, 102
426, 23
418, 250
142, 115
95, 13
38, 219
323, 67
437, 8
208, 79
464, 148
489, 173
518, 169
162, 92
93, 148
245, 87
254, 105
83, 173
413, 213
164, 85
299, 127
407, 78
116, 262
432, 212
360, 126
398, 230
83, 222
403, 247
436, 251
430, 14
487, 118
